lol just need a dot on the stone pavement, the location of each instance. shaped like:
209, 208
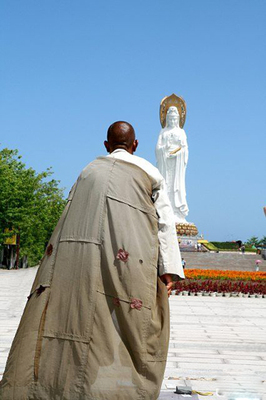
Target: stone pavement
217, 344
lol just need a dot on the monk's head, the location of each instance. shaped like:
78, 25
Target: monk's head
121, 135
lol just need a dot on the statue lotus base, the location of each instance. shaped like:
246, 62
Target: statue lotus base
186, 229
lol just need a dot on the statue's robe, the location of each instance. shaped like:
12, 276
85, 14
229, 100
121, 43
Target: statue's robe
96, 325
174, 169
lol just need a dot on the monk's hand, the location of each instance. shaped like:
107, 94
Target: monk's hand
168, 281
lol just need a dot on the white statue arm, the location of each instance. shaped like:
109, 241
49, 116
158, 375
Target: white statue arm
160, 142
186, 154
160, 153
185, 147
160, 147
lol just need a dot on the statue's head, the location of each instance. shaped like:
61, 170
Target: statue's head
172, 117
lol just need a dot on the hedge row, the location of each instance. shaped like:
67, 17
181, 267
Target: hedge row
226, 246
223, 246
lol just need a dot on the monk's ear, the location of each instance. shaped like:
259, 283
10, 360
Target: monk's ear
135, 145
107, 146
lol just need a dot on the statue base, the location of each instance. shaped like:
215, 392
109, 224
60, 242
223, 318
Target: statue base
187, 236
187, 243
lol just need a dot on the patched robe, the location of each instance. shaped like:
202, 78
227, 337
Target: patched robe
96, 324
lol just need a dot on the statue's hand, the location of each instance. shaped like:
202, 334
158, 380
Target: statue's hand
176, 150
170, 155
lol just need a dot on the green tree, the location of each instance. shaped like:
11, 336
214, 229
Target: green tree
253, 240
262, 241
30, 204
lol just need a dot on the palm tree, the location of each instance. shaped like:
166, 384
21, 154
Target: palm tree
254, 240
262, 241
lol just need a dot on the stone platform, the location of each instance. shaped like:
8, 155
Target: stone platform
216, 344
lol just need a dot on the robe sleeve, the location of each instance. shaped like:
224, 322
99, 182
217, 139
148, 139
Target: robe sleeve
169, 256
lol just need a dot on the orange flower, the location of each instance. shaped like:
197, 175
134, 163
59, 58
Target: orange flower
228, 274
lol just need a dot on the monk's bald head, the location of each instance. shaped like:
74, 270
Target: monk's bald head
121, 135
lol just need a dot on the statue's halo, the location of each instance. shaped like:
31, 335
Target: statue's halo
177, 102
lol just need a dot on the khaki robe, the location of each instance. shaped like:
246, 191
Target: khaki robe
96, 325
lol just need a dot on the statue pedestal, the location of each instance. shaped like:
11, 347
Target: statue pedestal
187, 234
187, 243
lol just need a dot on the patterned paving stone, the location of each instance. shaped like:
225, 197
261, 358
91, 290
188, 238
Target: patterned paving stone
217, 344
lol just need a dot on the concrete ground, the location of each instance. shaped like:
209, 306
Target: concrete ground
217, 344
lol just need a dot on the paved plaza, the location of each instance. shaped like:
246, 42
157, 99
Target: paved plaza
217, 344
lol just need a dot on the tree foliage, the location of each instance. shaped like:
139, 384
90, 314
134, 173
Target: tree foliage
262, 241
30, 204
254, 240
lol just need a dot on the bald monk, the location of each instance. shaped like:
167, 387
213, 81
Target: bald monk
96, 324
121, 144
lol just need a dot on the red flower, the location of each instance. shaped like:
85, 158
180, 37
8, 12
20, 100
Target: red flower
136, 303
116, 301
122, 255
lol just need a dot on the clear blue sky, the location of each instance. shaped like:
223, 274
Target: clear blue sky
70, 68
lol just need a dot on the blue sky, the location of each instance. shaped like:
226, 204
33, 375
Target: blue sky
71, 68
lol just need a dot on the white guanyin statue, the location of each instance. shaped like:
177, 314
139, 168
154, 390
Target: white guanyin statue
172, 154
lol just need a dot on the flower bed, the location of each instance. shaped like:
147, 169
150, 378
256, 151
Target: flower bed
222, 282
216, 286
203, 274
